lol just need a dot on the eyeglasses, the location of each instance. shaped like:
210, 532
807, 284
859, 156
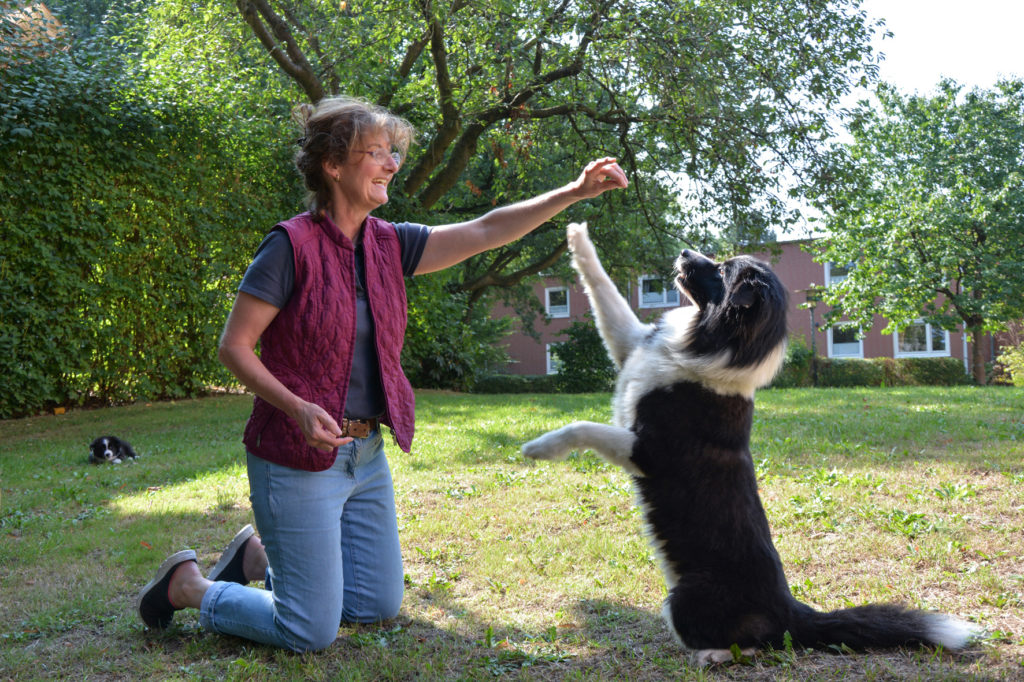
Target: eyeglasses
381, 155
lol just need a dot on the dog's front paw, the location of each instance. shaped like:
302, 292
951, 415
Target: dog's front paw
550, 446
579, 238
575, 232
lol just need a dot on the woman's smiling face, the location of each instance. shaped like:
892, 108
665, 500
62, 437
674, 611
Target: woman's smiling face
363, 179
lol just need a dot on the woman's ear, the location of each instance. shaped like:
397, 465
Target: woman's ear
331, 169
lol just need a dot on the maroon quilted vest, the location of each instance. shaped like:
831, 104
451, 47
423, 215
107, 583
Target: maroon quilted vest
309, 344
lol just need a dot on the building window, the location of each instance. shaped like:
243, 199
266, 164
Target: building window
553, 363
655, 294
834, 274
921, 339
844, 341
556, 301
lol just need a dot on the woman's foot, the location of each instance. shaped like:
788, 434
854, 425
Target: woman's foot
243, 561
187, 586
255, 561
155, 605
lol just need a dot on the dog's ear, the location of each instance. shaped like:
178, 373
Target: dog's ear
745, 294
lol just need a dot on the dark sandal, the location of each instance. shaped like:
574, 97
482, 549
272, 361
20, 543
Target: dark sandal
229, 566
155, 607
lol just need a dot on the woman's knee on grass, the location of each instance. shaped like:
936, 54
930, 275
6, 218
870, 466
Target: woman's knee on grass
314, 635
377, 607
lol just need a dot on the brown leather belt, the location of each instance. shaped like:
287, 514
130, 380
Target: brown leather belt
358, 428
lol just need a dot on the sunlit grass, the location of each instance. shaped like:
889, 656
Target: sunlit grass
206, 493
520, 569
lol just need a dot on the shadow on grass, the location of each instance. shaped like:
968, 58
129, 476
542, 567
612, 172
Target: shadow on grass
612, 640
622, 626
91, 629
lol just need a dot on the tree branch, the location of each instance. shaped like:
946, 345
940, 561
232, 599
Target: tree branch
465, 146
412, 55
272, 35
450, 120
491, 278
549, 23
468, 135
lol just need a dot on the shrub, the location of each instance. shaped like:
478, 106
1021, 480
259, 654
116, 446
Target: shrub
444, 349
1012, 360
928, 372
885, 372
127, 226
584, 363
517, 383
845, 373
796, 370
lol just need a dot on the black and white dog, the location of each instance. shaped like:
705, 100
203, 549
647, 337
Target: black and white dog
683, 408
110, 449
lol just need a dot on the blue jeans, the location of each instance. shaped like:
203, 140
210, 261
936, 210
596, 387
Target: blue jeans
332, 545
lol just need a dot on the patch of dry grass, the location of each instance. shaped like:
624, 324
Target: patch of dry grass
518, 570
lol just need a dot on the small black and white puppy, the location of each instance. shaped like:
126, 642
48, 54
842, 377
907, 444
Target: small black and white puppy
110, 449
683, 408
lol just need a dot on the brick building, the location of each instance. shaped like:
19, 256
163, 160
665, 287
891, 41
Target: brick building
649, 296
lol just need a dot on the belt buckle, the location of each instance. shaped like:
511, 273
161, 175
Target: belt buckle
356, 428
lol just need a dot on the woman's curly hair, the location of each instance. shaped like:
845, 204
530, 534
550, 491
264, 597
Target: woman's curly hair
330, 131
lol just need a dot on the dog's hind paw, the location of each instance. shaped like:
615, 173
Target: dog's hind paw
706, 657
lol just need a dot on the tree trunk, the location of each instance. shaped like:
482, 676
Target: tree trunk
977, 357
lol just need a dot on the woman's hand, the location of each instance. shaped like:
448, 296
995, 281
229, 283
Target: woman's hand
249, 317
319, 428
598, 177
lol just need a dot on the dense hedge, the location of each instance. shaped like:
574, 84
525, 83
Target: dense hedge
925, 372
796, 370
795, 373
518, 383
126, 224
831, 372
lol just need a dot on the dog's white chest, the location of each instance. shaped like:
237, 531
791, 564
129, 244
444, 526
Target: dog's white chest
653, 364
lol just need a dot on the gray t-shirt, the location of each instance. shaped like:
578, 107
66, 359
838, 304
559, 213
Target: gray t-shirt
271, 278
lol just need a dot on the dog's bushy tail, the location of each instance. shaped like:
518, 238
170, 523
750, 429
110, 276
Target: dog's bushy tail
881, 626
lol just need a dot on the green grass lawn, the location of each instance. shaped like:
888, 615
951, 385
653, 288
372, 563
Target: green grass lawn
516, 569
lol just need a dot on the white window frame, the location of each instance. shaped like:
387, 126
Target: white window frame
828, 273
930, 353
551, 361
668, 292
556, 312
860, 342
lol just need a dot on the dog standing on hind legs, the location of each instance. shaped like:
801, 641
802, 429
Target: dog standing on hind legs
683, 408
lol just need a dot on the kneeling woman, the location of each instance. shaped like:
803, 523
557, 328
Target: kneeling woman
325, 299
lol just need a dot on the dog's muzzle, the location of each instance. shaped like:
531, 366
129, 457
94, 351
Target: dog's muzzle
358, 428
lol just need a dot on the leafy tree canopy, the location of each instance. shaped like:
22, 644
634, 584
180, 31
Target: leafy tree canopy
932, 212
706, 104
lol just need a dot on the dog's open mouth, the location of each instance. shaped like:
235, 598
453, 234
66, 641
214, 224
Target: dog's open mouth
680, 282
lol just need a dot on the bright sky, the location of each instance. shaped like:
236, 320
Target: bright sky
974, 42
